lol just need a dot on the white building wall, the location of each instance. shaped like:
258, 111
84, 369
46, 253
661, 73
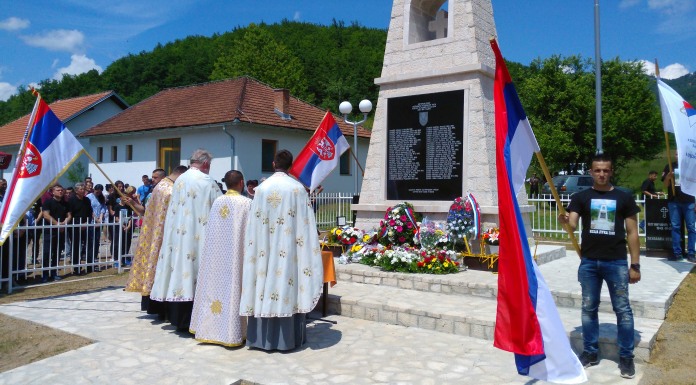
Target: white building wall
247, 144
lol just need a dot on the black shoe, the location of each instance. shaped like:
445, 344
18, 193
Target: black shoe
588, 359
628, 370
691, 258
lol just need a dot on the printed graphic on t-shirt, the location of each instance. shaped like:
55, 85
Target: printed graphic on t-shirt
603, 216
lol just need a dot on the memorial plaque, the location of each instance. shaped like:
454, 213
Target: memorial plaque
424, 146
658, 229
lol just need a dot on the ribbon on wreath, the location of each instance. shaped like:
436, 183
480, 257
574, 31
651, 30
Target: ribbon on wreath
477, 214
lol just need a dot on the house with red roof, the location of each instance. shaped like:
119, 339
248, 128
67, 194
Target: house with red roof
241, 121
78, 114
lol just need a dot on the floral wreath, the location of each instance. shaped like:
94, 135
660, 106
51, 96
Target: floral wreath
463, 219
492, 236
400, 225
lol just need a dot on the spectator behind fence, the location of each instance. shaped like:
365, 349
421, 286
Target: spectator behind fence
100, 214
123, 234
112, 201
81, 208
57, 214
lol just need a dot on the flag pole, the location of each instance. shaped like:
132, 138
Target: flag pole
667, 150
547, 174
107, 178
356, 161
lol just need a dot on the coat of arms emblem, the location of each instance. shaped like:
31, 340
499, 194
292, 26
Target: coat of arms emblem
31, 163
324, 148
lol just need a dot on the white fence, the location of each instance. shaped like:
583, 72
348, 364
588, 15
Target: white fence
39, 252
46, 253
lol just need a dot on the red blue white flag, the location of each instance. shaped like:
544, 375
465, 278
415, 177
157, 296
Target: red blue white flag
321, 154
679, 118
49, 148
527, 320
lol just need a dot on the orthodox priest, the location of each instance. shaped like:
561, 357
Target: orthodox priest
215, 317
184, 230
142, 274
282, 272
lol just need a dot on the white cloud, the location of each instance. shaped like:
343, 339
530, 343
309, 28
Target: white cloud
671, 71
57, 40
297, 16
14, 24
6, 90
671, 7
78, 64
628, 3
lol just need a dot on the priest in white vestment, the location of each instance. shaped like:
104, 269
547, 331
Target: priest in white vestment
142, 273
215, 317
184, 230
283, 272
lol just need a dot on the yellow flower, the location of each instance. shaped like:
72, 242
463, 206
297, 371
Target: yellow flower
339, 232
356, 248
333, 231
430, 266
366, 238
446, 264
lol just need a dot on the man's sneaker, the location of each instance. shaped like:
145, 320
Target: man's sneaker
628, 370
678, 258
691, 258
588, 359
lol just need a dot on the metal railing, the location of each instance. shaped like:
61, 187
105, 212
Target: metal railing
42, 252
544, 219
328, 206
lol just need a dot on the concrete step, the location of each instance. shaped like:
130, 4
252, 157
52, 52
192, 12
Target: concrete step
465, 314
649, 299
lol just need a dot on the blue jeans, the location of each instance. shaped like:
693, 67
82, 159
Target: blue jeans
591, 274
679, 212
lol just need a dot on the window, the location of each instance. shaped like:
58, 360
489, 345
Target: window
100, 154
427, 21
114, 153
268, 150
169, 154
345, 163
129, 152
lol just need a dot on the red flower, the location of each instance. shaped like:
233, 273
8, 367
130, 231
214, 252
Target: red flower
402, 239
409, 225
421, 264
441, 258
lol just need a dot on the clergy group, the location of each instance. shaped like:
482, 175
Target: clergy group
231, 270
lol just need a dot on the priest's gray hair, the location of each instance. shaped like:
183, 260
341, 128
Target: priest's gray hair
201, 156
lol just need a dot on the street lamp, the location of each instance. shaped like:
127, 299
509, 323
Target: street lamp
345, 108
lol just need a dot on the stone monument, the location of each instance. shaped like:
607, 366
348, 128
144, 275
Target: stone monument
433, 137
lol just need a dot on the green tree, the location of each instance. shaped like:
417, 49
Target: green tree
558, 96
260, 56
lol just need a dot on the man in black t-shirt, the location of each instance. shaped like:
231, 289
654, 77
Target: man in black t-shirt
681, 210
55, 212
81, 209
648, 186
608, 224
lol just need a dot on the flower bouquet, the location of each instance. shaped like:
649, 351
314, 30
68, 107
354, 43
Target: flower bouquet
437, 262
401, 259
431, 235
344, 236
462, 219
399, 225
492, 236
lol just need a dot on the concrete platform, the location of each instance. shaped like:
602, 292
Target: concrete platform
133, 348
465, 303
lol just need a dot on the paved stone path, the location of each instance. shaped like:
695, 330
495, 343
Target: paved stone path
133, 348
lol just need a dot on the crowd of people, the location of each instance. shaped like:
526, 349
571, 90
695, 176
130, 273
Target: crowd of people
70, 223
230, 268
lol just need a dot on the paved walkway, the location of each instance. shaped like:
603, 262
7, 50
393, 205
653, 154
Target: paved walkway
133, 348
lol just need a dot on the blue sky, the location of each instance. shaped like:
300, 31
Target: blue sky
42, 39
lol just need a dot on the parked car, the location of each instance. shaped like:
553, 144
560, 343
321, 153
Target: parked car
570, 184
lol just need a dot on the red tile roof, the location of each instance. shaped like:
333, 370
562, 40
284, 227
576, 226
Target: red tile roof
67, 109
216, 102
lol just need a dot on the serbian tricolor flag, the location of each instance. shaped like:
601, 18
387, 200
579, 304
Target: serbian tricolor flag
679, 118
321, 154
48, 149
527, 321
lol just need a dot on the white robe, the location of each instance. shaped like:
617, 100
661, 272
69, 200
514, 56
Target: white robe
184, 230
283, 270
216, 316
